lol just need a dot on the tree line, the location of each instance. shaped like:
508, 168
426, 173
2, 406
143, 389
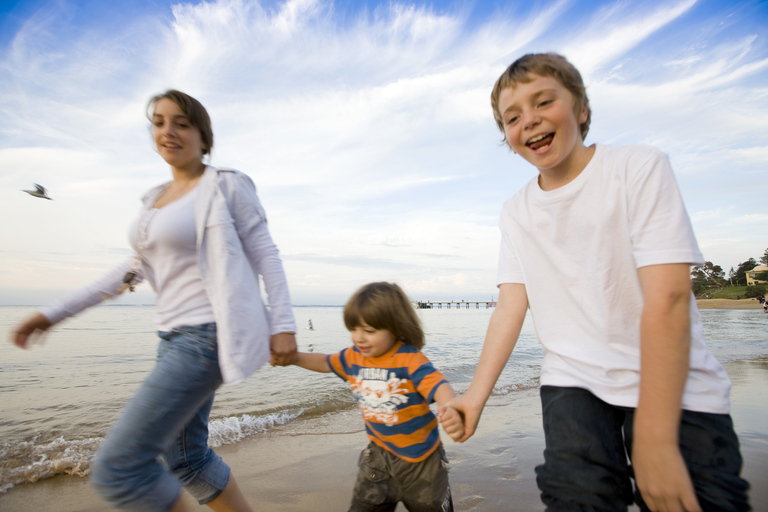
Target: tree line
708, 276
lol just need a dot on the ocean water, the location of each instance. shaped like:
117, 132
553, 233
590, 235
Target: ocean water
58, 399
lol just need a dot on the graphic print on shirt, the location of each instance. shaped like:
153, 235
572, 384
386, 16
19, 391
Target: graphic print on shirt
379, 393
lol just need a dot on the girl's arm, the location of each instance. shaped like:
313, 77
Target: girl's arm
313, 361
503, 330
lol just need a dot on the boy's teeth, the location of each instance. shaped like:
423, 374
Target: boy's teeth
536, 139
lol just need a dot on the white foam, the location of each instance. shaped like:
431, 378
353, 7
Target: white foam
38, 461
232, 429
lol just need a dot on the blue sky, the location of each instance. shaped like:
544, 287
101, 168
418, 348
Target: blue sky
365, 125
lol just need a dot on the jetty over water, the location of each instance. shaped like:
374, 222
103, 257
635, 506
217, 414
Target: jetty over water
454, 304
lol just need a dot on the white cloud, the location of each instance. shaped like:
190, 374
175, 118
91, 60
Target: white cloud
368, 132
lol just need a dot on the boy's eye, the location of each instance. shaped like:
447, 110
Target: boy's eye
545, 103
512, 119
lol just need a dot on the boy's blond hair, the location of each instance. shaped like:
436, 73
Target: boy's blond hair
543, 64
385, 306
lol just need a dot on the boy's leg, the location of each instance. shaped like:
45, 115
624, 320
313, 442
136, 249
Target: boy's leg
710, 449
585, 464
424, 485
374, 489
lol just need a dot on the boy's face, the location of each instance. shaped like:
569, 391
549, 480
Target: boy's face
540, 124
371, 342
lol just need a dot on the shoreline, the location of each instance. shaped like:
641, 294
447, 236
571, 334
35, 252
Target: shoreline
493, 471
728, 304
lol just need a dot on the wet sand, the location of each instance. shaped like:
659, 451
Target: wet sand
492, 472
728, 304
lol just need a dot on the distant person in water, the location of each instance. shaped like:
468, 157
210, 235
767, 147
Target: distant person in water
213, 326
393, 383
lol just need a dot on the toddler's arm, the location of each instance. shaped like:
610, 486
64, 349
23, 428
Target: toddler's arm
453, 423
665, 340
313, 361
503, 330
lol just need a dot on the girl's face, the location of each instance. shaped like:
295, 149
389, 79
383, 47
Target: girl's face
371, 342
177, 141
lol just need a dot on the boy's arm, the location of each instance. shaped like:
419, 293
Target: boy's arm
313, 361
503, 330
665, 340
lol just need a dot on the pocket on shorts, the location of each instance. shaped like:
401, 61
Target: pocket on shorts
372, 483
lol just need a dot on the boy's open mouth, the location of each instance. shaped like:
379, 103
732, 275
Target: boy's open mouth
540, 141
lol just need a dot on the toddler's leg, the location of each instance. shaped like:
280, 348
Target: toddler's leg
374, 489
710, 449
585, 465
424, 485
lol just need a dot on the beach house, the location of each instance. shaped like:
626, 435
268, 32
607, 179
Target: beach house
751, 274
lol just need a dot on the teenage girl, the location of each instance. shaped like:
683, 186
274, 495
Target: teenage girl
201, 240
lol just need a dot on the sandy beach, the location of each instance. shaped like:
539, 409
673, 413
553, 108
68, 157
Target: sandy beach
728, 304
492, 472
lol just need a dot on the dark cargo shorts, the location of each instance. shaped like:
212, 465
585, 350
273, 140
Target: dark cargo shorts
385, 479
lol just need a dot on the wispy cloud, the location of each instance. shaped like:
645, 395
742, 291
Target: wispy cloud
367, 130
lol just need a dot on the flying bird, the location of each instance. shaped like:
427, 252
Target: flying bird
38, 192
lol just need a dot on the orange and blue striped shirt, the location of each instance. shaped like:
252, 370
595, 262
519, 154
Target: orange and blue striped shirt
394, 391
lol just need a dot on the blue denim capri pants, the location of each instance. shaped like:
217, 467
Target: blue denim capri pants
168, 417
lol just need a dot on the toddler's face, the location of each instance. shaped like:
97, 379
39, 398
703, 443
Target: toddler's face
371, 342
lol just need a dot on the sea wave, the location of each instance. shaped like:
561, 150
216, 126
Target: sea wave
30, 461
235, 428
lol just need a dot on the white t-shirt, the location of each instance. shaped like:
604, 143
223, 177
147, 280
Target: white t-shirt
577, 250
166, 242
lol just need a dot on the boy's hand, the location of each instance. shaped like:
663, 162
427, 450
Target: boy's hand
663, 478
26, 332
452, 422
469, 413
282, 347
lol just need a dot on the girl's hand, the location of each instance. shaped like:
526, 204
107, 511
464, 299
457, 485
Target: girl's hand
282, 347
23, 334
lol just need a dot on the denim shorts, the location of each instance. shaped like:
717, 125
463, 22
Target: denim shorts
167, 417
588, 442
385, 479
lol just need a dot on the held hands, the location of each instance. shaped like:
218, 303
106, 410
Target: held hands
663, 478
283, 348
26, 333
469, 413
452, 422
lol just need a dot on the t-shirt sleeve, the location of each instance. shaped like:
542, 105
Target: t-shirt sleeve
425, 377
659, 227
509, 270
337, 362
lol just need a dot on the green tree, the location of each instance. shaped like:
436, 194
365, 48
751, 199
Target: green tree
764, 258
739, 276
707, 276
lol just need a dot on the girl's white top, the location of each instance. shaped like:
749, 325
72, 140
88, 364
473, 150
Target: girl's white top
214, 278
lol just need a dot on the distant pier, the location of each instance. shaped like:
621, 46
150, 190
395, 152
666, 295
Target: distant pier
453, 304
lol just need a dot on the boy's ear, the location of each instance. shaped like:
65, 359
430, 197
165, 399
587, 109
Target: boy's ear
584, 113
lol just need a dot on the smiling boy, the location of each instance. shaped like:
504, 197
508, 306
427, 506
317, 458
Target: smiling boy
626, 370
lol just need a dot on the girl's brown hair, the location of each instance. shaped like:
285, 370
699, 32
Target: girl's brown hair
193, 109
385, 306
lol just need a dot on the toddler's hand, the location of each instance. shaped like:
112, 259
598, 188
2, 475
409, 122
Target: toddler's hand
452, 421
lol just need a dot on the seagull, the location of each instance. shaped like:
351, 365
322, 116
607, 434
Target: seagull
38, 192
